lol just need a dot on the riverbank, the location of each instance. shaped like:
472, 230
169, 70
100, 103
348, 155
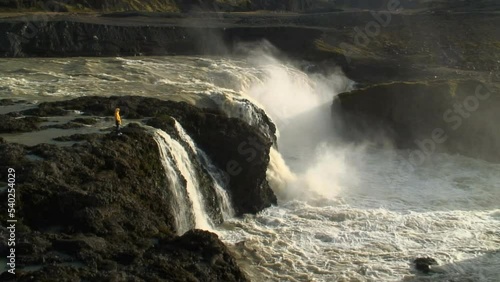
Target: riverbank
399, 48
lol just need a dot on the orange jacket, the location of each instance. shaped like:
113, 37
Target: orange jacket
117, 117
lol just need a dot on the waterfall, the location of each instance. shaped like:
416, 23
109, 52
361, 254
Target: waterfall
215, 174
219, 182
181, 207
180, 159
246, 109
188, 203
278, 174
299, 105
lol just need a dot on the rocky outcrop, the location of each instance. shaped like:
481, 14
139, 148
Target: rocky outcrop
242, 155
425, 264
241, 151
11, 124
448, 116
100, 208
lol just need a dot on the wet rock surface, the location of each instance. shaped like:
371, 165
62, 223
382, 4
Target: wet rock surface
453, 116
100, 208
10, 102
424, 264
239, 150
12, 124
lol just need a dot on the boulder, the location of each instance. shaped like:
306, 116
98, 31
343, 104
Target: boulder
425, 264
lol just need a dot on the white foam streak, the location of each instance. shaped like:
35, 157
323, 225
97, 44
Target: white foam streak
300, 106
355, 220
213, 171
330, 243
183, 163
344, 213
278, 175
181, 208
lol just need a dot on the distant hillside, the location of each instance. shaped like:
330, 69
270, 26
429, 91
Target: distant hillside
236, 5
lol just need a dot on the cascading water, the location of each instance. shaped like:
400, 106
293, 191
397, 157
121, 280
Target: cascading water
247, 109
187, 200
182, 161
299, 105
345, 213
213, 171
181, 206
218, 182
339, 218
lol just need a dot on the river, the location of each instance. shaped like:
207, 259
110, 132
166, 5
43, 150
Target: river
345, 212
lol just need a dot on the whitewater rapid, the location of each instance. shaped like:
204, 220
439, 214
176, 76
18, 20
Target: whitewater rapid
373, 228
345, 213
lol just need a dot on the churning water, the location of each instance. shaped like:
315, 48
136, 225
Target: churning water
345, 213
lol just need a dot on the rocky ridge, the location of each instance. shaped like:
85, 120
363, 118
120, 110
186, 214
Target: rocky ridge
99, 208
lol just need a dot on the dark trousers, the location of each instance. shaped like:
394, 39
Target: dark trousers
117, 127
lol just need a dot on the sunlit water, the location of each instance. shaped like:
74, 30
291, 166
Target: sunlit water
345, 213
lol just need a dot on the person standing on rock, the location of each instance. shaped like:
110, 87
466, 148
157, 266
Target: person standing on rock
118, 121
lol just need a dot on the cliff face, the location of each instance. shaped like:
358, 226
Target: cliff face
100, 208
458, 116
112, 36
69, 38
369, 47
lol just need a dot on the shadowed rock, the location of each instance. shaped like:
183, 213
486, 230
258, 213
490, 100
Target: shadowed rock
456, 116
11, 124
424, 264
238, 149
101, 208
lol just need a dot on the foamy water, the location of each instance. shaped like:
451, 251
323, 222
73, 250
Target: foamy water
345, 213
372, 229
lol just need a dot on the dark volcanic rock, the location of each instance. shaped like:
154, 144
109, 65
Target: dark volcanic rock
102, 210
10, 102
195, 256
46, 109
84, 187
11, 124
77, 137
236, 148
90, 36
451, 116
404, 47
240, 151
103, 207
425, 264
202, 254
